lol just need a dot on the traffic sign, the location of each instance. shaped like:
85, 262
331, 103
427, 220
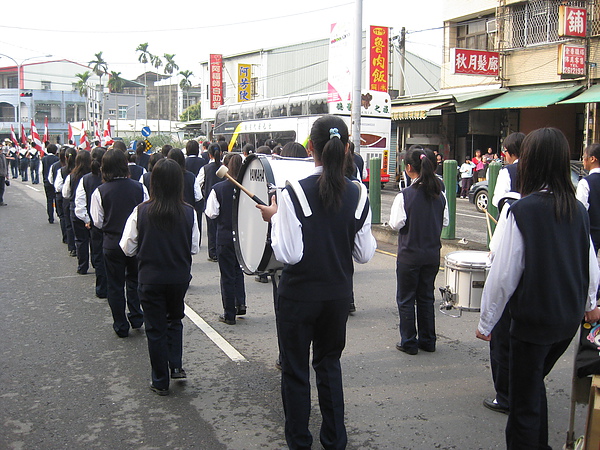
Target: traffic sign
146, 131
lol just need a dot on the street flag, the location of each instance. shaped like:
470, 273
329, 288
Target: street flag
107, 139
46, 136
35, 138
83, 140
13, 136
70, 134
96, 132
23, 135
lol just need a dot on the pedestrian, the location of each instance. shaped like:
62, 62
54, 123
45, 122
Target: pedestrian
207, 177
548, 288
53, 175
13, 157
163, 234
479, 166
141, 157
418, 214
315, 289
507, 180
81, 233
359, 162
83, 196
4, 181
194, 162
191, 190
135, 172
165, 149
219, 207
61, 176
47, 161
154, 158
439, 165
34, 164
111, 204
466, 177
588, 190
292, 150
24, 161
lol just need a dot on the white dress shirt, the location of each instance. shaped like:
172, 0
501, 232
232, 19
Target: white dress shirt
213, 207
502, 185
81, 204
583, 190
97, 210
398, 213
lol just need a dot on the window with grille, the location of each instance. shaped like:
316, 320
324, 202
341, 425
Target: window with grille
474, 35
536, 22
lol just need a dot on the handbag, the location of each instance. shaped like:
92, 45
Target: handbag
587, 361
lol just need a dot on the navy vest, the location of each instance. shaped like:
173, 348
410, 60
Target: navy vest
119, 197
164, 256
326, 268
188, 187
135, 171
549, 302
512, 172
419, 240
146, 180
210, 178
593, 181
194, 164
90, 183
47, 162
224, 190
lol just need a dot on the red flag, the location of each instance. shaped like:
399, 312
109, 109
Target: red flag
46, 136
13, 136
107, 139
97, 132
83, 140
70, 134
23, 135
35, 138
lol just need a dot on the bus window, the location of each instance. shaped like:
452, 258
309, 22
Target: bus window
262, 109
221, 116
283, 137
317, 106
279, 107
298, 106
233, 113
247, 111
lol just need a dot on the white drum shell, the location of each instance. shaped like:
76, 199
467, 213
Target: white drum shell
466, 272
251, 233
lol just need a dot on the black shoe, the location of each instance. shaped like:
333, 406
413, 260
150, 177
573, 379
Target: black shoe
495, 406
409, 351
261, 279
240, 310
427, 348
227, 321
178, 374
73, 253
278, 364
352, 307
82, 272
50, 221
159, 391
122, 334
211, 259
101, 295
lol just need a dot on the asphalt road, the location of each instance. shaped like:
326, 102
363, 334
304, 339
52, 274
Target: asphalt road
69, 382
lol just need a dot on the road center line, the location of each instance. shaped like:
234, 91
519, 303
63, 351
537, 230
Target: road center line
212, 334
31, 187
470, 215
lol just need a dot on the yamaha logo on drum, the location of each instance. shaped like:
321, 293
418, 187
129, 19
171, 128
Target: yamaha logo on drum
257, 175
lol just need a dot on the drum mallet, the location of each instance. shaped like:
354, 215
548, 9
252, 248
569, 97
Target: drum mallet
223, 172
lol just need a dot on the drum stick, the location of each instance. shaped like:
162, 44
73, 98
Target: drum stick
491, 217
223, 172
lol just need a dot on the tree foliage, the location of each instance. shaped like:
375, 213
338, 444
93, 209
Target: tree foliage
81, 84
115, 82
192, 112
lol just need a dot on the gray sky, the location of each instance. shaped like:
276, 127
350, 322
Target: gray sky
194, 29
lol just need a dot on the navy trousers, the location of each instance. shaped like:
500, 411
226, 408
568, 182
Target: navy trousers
163, 310
68, 224
527, 425
322, 323
211, 235
82, 243
98, 262
499, 354
122, 275
60, 212
415, 286
233, 291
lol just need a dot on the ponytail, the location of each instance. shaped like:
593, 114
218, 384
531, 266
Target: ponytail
215, 151
329, 136
421, 160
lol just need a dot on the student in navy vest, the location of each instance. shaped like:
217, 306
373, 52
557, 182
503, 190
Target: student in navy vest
163, 233
507, 177
588, 190
207, 178
545, 269
154, 158
52, 178
318, 227
194, 162
111, 204
191, 190
83, 166
135, 172
83, 196
47, 162
219, 207
418, 213
141, 157
59, 183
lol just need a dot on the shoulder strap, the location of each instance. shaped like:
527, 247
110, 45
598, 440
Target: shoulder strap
297, 188
362, 199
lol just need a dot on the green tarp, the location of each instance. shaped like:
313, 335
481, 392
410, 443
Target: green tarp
530, 98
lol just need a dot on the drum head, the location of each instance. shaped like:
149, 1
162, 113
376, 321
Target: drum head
467, 259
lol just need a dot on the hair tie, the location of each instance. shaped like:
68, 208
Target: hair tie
422, 156
334, 132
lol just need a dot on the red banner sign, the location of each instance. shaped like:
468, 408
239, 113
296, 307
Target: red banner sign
216, 81
571, 59
572, 21
474, 62
378, 60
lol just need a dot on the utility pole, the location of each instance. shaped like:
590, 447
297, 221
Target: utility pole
402, 60
356, 76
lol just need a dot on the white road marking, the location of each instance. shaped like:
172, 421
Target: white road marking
219, 340
31, 187
470, 215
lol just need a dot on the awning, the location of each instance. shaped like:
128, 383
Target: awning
591, 95
467, 101
530, 98
416, 111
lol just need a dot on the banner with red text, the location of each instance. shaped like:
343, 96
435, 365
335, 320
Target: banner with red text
378, 58
216, 81
474, 62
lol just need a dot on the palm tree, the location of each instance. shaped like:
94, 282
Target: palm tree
145, 57
185, 84
82, 88
99, 67
115, 82
170, 66
157, 62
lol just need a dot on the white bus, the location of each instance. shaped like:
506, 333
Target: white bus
289, 119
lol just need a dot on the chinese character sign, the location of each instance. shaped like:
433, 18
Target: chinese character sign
571, 60
474, 62
244, 82
341, 57
216, 81
572, 21
378, 59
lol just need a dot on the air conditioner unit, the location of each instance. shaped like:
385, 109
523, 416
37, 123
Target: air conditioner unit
490, 26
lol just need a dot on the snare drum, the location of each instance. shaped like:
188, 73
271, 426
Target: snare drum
466, 272
262, 175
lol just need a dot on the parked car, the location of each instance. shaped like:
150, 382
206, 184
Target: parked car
385, 178
478, 194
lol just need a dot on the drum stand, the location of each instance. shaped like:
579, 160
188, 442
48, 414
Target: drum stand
448, 302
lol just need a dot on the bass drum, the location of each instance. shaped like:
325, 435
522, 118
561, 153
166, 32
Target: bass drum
263, 176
